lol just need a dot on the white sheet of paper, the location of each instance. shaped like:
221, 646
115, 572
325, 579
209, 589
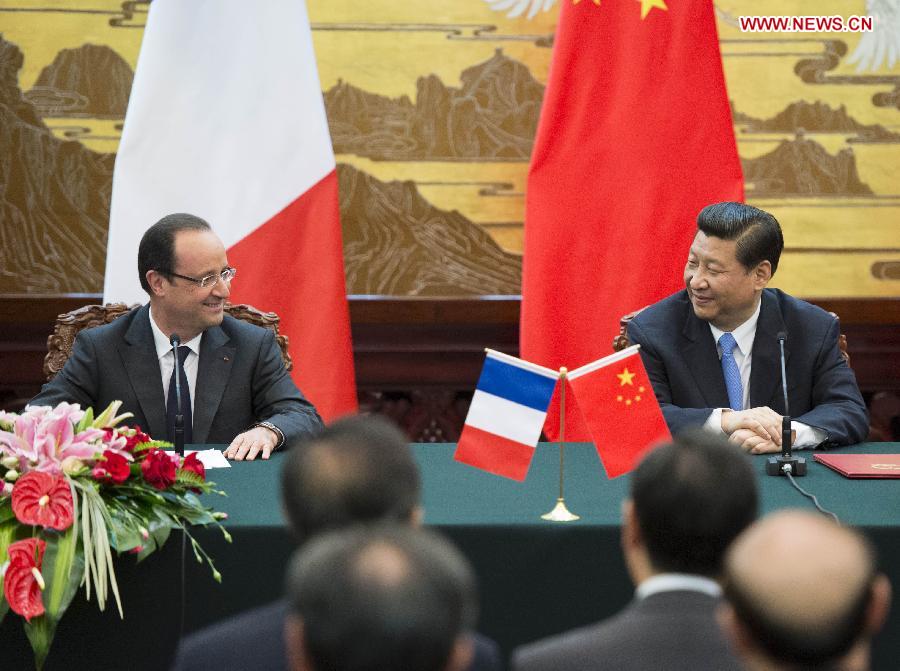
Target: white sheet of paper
210, 458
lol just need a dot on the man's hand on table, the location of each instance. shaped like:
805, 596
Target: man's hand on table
763, 422
256, 441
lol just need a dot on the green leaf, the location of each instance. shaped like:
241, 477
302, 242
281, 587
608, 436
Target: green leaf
3, 607
63, 570
7, 535
40, 633
6, 512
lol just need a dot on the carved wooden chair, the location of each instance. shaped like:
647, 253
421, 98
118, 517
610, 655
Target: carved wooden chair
68, 325
620, 341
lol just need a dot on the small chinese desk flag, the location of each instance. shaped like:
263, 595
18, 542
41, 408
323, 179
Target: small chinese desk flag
507, 412
619, 408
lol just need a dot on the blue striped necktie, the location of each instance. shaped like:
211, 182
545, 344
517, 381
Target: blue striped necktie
731, 372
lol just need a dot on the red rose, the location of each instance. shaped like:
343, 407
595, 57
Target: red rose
114, 468
194, 465
158, 469
39, 498
23, 582
135, 440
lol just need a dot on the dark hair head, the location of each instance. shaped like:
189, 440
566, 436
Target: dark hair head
757, 232
807, 614
157, 248
381, 599
359, 469
692, 497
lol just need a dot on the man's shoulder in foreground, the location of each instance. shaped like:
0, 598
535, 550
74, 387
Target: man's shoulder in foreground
250, 640
671, 630
254, 640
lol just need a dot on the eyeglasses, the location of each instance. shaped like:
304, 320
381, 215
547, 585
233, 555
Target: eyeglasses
209, 280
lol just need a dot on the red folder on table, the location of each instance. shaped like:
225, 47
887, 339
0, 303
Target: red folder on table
862, 465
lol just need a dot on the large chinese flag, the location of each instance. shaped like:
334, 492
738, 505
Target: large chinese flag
226, 121
635, 138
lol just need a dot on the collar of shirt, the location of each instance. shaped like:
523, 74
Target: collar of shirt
743, 334
670, 582
161, 340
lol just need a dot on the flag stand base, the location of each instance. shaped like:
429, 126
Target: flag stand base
560, 513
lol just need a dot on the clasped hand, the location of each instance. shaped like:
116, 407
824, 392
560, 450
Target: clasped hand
756, 430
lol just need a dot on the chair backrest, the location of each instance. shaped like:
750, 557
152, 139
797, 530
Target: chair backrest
620, 341
69, 324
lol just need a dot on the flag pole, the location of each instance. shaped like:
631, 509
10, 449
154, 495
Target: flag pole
560, 513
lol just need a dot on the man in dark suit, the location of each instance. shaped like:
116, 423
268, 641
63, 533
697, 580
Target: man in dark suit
712, 351
359, 470
822, 606
235, 388
380, 599
689, 499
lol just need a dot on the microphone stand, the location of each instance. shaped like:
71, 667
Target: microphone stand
179, 416
786, 464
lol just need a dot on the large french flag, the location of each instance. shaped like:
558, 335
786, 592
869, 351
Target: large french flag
507, 412
226, 121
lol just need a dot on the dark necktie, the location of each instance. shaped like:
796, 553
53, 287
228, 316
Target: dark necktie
171, 403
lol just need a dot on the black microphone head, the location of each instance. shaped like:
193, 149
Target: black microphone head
175, 340
782, 336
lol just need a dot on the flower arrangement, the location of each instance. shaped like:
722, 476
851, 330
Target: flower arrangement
73, 489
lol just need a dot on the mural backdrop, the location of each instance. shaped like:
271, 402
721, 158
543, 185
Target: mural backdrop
432, 107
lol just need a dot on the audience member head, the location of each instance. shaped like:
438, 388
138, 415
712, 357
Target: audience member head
359, 469
731, 260
689, 499
183, 266
379, 598
803, 593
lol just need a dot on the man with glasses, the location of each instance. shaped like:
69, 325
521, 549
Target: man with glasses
235, 388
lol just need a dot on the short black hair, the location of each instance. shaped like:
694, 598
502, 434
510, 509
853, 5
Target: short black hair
816, 647
358, 469
157, 248
757, 232
381, 599
692, 497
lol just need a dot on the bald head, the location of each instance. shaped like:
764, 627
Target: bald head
801, 586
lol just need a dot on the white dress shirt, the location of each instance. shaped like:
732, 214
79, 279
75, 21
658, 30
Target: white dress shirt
744, 335
167, 360
670, 582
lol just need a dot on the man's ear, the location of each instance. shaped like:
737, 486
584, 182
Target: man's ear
733, 631
631, 530
295, 644
762, 274
417, 517
158, 283
462, 653
879, 604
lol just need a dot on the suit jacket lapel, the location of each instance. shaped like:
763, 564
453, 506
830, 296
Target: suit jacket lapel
703, 360
138, 352
216, 357
765, 371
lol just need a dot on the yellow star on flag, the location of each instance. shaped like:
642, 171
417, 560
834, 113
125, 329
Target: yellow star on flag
625, 377
647, 5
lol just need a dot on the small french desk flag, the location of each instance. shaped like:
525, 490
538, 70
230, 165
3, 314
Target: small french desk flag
506, 416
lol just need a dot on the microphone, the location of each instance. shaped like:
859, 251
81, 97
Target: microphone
175, 341
786, 464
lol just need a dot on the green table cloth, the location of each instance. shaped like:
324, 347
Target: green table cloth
536, 577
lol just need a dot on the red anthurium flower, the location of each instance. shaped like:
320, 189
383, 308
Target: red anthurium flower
158, 469
42, 499
113, 468
23, 582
